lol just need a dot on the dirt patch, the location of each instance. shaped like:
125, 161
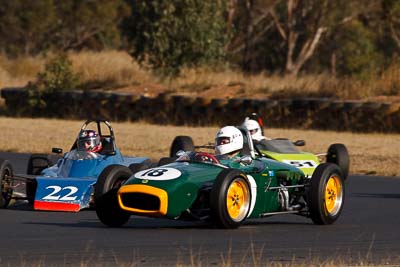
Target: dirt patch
148, 90
236, 90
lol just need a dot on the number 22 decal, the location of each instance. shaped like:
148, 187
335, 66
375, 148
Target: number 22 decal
56, 189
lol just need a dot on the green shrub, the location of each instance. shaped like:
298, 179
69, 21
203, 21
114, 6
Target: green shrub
57, 76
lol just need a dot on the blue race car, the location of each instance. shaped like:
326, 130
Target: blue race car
74, 181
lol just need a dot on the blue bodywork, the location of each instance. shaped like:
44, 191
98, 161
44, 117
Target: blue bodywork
69, 185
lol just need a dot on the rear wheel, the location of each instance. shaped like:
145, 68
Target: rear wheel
338, 154
326, 197
181, 142
6, 173
136, 167
230, 199
106, 198
166, 160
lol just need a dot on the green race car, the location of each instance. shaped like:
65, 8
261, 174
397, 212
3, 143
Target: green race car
279, 149
224, 192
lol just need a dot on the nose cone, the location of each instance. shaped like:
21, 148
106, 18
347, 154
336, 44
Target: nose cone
143, 199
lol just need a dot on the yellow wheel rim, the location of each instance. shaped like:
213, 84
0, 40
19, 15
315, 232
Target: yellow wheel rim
238, 199
333, 195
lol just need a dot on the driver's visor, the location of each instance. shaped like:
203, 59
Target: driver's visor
253, 131
222, 140
86, 143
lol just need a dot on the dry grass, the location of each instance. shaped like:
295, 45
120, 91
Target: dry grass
369, 153
96, 69
115, 69
203, 78
18, 72
109, 69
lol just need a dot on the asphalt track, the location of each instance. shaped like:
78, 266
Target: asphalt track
368, 231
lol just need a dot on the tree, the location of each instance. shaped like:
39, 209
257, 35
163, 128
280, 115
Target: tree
357, 53
168, 35
302, 24
93, 24
292, 30
391, 20
33, 27
24, 25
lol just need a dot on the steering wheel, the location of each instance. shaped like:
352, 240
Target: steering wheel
206, 157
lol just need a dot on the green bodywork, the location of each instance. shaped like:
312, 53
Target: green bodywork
197, 177
307, 162
283, 150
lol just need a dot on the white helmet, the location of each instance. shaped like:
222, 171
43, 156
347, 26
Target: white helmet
254, 128
228, 139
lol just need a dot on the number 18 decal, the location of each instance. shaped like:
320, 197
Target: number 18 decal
158, 174
64, 196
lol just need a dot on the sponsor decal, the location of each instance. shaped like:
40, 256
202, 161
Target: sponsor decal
301, 163
158, 174
59, 193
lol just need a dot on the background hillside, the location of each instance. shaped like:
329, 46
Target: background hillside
281, 48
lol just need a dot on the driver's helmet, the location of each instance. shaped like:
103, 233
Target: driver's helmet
89, 140
254, 128
229, 139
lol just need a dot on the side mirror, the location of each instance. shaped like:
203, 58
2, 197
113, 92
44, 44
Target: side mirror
300, 143
57, 150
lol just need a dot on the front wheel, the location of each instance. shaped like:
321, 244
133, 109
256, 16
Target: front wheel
106, 198
6, 173
326, 195
230, 199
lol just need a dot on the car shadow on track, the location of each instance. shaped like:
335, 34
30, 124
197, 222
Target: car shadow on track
161, 223
142, 224
373, 195
22, 206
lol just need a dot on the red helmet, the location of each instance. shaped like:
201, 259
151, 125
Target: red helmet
89, 140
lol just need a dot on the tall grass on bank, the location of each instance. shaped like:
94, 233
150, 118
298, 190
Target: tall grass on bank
375, 154
114, 69
109, 69
18, 72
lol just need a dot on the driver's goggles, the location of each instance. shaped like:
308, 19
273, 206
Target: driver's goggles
253, 131
223, 141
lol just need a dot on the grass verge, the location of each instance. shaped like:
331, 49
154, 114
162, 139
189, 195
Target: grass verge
374, 154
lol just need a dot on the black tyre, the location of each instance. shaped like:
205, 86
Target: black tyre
338, 154
136, 167
6, 173
230, 199
38, 162
106, 199
181, 142
326, 195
